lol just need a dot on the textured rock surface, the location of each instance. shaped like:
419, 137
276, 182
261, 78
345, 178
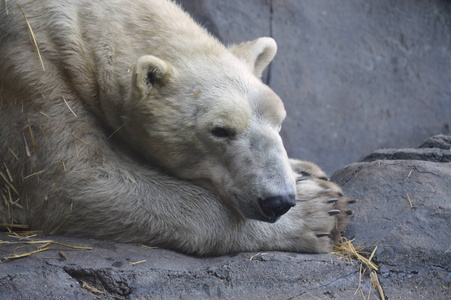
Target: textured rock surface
355, 77
437, 155
169, 275
439, 141
419, 232
405, 202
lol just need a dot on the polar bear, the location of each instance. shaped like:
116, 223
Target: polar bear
145, 128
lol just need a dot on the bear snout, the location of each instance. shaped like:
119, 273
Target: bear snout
274, 207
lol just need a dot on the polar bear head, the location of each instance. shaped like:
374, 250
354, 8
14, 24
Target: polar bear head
208, 118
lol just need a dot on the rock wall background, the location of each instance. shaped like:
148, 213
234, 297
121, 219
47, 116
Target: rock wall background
355, 76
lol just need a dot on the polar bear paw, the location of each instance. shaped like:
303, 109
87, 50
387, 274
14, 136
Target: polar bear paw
321, 206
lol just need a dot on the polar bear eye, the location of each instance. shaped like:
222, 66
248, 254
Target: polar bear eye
220, 132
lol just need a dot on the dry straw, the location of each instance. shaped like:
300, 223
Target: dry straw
91, 288
356, 252
80, 140
33, 37
42, 245
137, 262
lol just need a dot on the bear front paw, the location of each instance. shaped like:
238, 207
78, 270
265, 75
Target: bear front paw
321, 205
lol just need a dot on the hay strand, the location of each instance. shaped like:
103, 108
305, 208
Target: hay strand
255, 257
32, 137
34, 174
8, 173
9, 183
147, 247
410, 173
70, 208
27, 234
67, 104
15, 256
91, 288
376, 284
17, 248
71, 247
80, 140
360, 280
51, 242
114, 132
41, 112
137, 262
63, 255
347, 249
33, 37
410, 201
14, 225
372, 253
26, 146
59, 226
42, 245
42, 131
14, 154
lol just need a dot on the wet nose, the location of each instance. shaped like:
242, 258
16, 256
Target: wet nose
274, 207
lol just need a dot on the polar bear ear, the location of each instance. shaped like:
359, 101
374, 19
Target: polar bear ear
148, 72
257, 54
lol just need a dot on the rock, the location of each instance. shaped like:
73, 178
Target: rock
106, 272
167, 274
436, 148
437, 155
403, 203
440, 141
354, 77
405, 207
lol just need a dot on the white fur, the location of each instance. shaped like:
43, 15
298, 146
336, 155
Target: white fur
138, 161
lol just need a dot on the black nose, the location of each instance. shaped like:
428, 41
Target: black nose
274, 207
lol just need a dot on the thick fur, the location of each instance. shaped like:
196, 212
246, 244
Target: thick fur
144, 128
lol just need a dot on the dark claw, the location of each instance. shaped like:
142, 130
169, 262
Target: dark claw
340, 194
349, 212
325, 191
333, 212
352, 201
332, 200
301, 178
325, 178
322, 234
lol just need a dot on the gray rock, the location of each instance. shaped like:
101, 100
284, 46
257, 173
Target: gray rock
436, 148
404, 206
437, 155
170, 275
167, 275
355, 77
402, 203
440, 141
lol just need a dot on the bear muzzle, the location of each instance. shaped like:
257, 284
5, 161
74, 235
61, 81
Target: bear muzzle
274, 207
